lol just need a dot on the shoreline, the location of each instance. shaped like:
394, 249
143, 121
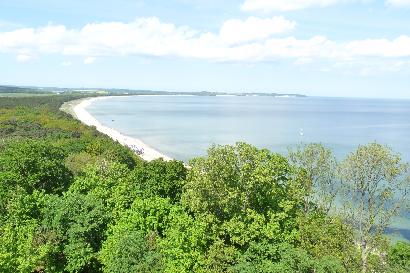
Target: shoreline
76, 108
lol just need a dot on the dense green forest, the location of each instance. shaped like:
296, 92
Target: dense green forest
72, 200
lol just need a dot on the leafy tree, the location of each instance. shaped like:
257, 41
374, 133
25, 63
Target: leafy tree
375, 189
110, 183
266, 257
151, 214
246, 196
131, 251
34, 165
399, 257
221, 257
19, 211
184, 242
319, 166
160, 178
74, 229
174, 238
233, 179
112, 151
118, 187
177, 242
18, 250
328, 240
330, 264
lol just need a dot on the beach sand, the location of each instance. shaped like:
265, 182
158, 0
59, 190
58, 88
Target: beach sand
77, 110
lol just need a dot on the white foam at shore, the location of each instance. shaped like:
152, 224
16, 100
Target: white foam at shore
86, 118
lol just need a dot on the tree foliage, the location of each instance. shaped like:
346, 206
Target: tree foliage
317, 164
73, 228
34, 165
375, 184
233, 179
399, 257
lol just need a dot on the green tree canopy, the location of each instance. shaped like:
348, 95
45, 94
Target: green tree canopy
233, 179
160, 178
34, 165
399, 257
159, 233
73, 229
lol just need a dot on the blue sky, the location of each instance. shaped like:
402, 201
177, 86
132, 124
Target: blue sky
357, 48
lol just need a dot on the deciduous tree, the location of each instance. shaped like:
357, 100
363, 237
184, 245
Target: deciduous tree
375, 185
318, 165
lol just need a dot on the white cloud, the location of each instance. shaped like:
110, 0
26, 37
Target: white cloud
89, 60
399, 47
23, 58
66, 63
302, 61
398, 3
144, 36
46, 39
236, 31
285, 5
251, 40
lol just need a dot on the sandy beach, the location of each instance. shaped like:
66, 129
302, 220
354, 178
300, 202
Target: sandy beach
78, 111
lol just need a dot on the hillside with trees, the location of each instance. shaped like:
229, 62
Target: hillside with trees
73, 200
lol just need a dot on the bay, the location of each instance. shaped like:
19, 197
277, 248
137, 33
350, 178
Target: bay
184, 127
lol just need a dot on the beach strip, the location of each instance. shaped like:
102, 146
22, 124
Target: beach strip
78, 110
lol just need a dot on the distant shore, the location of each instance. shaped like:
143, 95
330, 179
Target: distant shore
77, 109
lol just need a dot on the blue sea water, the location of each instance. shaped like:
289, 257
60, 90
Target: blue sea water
184, 127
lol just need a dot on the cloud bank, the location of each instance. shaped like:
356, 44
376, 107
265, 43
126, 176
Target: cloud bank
251, 40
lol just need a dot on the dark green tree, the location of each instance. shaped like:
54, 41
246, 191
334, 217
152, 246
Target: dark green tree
160, 178
34, 165
73, 229
399, 257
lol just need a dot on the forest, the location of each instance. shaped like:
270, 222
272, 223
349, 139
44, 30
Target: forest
73, 200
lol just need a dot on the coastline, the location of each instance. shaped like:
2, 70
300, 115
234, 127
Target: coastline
77, 109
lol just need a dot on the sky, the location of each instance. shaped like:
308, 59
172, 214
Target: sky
342, 48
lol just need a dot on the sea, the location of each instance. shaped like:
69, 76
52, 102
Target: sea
184, 127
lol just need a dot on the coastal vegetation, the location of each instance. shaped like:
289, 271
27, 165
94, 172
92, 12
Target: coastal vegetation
73, 200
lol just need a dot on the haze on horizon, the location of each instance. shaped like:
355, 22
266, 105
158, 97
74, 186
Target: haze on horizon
343, 48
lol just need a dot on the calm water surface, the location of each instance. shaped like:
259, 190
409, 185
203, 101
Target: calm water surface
185, 126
